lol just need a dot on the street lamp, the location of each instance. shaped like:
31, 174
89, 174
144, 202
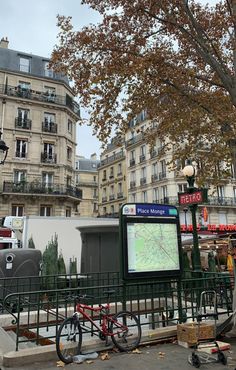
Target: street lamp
189, 171
3, 150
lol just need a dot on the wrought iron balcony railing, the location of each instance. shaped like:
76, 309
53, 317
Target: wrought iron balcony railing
49, 127
41, 188
24, 123
48, 158
43, 96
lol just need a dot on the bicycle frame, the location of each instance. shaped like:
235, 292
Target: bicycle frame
106, 317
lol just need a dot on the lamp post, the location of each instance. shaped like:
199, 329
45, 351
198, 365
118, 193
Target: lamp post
185, 218
3, 150
189, 171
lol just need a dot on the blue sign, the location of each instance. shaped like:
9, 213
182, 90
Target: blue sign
153, 210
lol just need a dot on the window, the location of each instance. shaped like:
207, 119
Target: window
95, 207
68, 181
154, 169
104, 211
144, 196
69, 126
182, 188
94, 178
48, 150
17, 210
155, 195
143, 150
24, 64
47, 71
68, 212
45, 210
112, 190
21, 148
23, 89
23, 115
220, 192
112, 209
49, 118
94, 193
143, 172
69, 153
132, 176
164, 194
133, 198
19, 176
49, 93
111, 172
47, 179
119, 187
132, 154
104, 175
24, 85
77, 165
234, 191
119, 171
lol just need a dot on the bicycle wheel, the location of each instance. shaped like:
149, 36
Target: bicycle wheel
126, 331
69, 340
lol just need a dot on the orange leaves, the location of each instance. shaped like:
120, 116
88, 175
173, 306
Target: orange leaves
172, 59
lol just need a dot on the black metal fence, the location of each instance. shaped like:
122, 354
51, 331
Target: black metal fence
36, 311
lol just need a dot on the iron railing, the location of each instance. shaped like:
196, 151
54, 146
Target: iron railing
43, 96
37, 313
41, 188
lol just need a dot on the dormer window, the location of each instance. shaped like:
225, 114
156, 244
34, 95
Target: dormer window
24, 64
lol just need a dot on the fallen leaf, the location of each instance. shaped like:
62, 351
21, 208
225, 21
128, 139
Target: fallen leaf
136, 350
105, 356
89, 362
60, 364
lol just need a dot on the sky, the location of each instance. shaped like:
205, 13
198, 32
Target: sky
31, 27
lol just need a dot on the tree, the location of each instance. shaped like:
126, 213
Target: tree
174, 58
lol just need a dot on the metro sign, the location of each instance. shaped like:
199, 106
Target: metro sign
195, 197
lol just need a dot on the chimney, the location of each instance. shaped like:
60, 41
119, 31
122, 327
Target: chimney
93, 157
4, 43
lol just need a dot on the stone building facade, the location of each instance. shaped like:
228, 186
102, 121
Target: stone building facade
38, 116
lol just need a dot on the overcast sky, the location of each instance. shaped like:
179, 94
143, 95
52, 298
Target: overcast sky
30, 26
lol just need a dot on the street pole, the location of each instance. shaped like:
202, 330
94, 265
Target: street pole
196, 260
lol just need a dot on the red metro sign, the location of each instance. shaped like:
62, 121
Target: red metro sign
191, 198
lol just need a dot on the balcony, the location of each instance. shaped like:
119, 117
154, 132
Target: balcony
162, 175
154, 177
104, 199
50, 127
112, 197
24, 123
142, 158
153, 153
120, 195
48, 158
132, 184
132, 162
112, 158
42, 96
143, 181
37, 188
20, 154
134, 140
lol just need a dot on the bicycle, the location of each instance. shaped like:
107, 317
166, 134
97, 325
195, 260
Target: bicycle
123, 328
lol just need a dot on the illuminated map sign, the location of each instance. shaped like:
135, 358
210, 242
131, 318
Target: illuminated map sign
150, 240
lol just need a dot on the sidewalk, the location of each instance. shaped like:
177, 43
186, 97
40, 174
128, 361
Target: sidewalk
162, 356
